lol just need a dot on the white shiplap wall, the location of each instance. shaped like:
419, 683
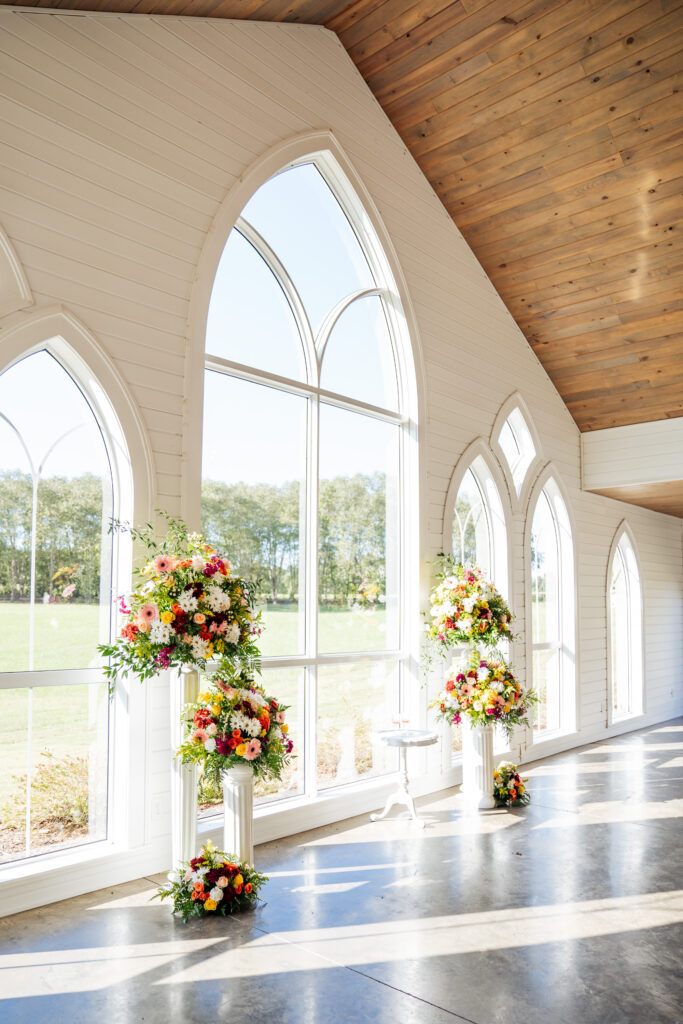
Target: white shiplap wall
121, 137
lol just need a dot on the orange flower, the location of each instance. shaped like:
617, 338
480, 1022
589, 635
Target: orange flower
248, 887
199, 887
238, 889
237, 734
194, 896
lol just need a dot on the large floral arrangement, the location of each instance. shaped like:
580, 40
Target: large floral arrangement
186, 608
508, 786
234, 722
486, 691
212, 883
466, 608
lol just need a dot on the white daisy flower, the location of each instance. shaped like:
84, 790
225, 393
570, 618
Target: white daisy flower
160, 633
187, 601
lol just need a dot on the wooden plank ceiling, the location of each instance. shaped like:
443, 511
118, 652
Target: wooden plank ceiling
552, 131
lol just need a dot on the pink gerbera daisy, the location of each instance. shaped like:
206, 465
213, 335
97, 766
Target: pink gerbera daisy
253, 750
148, 613
164, 563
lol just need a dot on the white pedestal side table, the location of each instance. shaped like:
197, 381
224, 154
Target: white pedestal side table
404, 739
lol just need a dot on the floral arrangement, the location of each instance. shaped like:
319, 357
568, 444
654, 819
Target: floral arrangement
486, 691
187, 607
508, 786
234, 722
466, 608
212, 883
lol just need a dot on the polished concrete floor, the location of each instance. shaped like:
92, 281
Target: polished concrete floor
567, 911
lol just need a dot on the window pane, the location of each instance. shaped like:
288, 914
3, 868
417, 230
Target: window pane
250, 320
300, 218
354, 701
13, 763
53, 457
545, 621
68, 776
518, 446
360, 338
287, 686
358, 533
547, 684
471, 544
253, 474
620, 637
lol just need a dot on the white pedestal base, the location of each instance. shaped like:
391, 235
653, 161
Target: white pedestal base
238, 812
184, 690
477, 766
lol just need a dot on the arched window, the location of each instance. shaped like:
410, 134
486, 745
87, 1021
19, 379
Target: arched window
304, 440
552, 613
518, 447
626, 632
59, 486
479, 535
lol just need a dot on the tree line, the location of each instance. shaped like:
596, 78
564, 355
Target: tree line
256, 525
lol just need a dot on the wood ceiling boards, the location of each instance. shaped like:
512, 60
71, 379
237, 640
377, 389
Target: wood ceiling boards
552, 131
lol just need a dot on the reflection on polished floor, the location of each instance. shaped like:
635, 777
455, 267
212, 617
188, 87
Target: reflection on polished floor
568, 911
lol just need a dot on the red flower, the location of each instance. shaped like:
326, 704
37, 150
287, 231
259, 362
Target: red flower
202, 718
450, 685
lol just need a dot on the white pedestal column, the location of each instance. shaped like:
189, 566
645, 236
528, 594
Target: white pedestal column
184, 690
477, 765
238, 812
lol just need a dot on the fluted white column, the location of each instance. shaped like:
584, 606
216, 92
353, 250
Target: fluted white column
238, 812
477, 765
184, 690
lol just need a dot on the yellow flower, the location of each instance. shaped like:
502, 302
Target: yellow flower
206, 697
263, 732
521, 789
241, 750
220, 646
284, 727
210, 904
167, 617
507, 708
238, 880
209, 651
215, 709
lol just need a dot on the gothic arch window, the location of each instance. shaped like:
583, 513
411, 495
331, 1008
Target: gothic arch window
552, 613
479, 532
518, 447
625, 631
304, 449
64, 473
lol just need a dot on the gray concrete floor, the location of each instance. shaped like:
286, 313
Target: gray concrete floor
567, 911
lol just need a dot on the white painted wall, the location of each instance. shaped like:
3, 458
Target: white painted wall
122, 137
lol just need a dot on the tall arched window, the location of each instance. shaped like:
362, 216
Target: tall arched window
479, 535
552, 613
58, 491
304, 440
626, 632
518, 447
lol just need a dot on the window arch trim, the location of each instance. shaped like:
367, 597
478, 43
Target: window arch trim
479, 448
624, 530
512, 402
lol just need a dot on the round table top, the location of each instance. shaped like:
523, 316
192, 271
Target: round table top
408, 737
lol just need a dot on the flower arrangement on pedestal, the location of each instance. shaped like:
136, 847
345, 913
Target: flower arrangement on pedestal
234, 722
212, 883
486, 691
508, 786
186, 608
466, 608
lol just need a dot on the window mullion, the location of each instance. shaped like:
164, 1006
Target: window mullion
311, 596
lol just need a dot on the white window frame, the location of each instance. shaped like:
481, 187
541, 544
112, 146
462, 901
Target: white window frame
519, 493
57, 331
356, 203
567, 643
635, 628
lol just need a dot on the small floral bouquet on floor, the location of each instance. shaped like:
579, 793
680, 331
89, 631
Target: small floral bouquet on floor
212, 883
508, 786
466, 608
486, 691
234, 722
185, 609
